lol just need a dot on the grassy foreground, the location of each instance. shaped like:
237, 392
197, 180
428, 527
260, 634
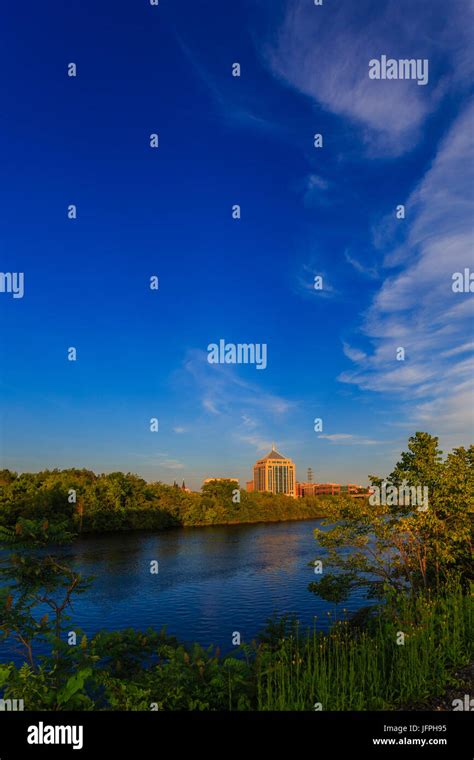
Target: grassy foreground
367, 669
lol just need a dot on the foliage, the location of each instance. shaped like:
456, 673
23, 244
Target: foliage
397, 545
368, 669
87, 503
35, 586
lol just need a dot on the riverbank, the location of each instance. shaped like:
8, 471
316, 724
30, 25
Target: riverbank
87, 503
191, 526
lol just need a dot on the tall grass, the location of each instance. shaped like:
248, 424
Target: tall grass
350, 669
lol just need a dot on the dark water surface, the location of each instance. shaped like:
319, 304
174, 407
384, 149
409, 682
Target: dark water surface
211, 581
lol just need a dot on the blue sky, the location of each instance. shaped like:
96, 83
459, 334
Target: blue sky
227, 140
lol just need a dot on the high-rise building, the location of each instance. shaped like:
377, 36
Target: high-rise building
275, 473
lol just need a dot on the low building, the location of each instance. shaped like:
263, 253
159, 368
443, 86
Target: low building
331, 489
317, 489
352, 488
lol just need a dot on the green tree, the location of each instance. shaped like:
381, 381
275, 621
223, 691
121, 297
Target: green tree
397, 545
36, 593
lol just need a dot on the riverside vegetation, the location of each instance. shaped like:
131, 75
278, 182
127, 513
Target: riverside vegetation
90, 503
399, 652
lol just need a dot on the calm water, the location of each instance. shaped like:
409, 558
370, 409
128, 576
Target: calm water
211, 581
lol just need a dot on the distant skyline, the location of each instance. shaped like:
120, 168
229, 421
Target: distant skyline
306, 212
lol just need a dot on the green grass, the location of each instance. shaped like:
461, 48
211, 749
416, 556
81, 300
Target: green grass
368, 670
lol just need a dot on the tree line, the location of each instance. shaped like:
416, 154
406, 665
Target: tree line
89, 503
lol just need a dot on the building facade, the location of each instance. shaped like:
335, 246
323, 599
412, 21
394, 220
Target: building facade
316, 489
332, 489
275, 473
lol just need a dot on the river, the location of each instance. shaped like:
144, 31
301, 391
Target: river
211, 581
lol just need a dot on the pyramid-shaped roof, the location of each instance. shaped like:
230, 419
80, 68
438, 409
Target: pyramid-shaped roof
274, 454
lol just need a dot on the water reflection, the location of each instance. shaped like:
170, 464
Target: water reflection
211, 581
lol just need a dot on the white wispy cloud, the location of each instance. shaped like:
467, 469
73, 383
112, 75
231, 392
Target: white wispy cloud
462, 349
169, 464
172, 464
355, 354
238, 110
313, 188
367, 271
415, 307
324, 52
233, 406
304, 281
223, 391
348, 439
315, 182
260, 444
158, 459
